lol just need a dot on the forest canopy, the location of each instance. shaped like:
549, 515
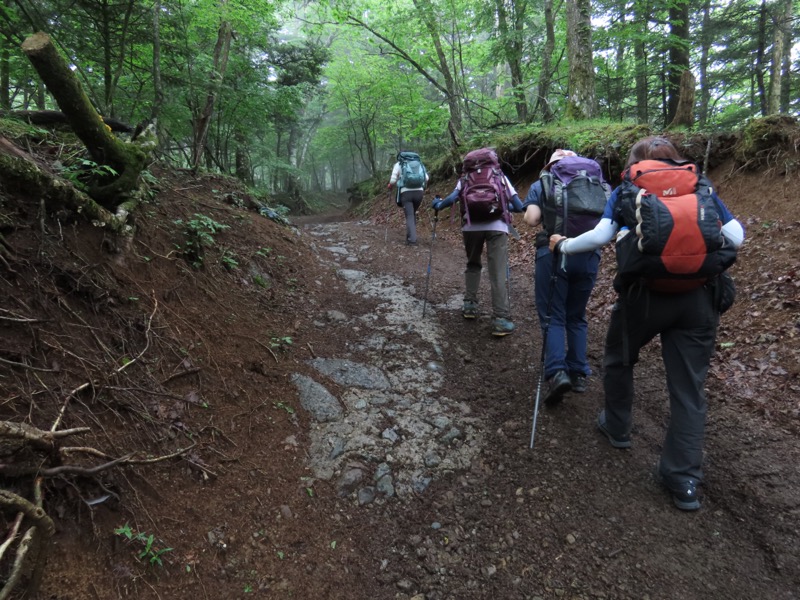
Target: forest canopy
301, 97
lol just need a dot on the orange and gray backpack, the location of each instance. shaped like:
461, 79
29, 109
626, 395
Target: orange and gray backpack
674, 239
484, 196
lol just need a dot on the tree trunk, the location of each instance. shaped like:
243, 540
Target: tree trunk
640, 58
684, 112
678, 54
158, 90
5, 74
126, 160
546, 69
581, 103
453, 97
20, 172
203, 119
759, 66
512, 36
244, 168
786, 78
705, 42
781, 23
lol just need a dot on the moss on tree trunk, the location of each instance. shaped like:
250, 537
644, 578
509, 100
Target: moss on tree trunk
126, 160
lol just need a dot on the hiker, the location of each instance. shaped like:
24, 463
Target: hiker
667, 289
568, 198
411, 179
485, 197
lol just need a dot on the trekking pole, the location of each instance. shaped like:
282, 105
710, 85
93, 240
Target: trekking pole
545, 328
515, 234
430, 260
388, 216
508, 280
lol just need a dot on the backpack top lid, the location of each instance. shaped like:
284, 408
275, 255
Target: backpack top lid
405, 155
664, 177
478, 159
567, 168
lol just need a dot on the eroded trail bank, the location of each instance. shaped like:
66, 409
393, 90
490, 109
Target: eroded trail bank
427, 447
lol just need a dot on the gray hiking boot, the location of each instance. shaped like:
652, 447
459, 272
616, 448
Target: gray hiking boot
501, 327
578, 381
469, 310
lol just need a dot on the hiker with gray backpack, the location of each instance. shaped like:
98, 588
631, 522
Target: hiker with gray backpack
486, 199
675, 238
410, 178
568, 198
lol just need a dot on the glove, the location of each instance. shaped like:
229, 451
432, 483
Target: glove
436, 204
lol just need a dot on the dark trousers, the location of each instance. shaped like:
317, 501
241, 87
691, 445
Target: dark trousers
568, 329
687, 325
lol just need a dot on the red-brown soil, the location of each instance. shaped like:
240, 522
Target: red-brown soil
212, 351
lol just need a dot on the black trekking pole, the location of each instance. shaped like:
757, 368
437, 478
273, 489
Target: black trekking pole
515, 234
545, 328
430, 260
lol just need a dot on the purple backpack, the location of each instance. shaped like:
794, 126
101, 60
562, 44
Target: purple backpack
575, 196
484, 196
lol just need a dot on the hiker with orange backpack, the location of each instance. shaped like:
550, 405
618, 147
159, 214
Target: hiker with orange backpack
486, 198
675, 239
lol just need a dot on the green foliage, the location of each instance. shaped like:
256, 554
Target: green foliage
761, 137
282, 343
148, 551
228, 260
198, 233
84, 172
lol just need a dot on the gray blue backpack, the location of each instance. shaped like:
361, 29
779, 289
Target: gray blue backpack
412, 171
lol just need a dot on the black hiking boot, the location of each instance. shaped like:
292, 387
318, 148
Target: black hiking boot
558, 385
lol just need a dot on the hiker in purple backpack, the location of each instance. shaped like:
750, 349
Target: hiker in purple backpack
486, 223
562, 290
672, 296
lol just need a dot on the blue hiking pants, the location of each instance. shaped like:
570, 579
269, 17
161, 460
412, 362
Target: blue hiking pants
567, 332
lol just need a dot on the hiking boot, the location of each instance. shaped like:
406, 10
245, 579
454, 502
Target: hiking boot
684, 493
578, 381
501, 327
410, 243
469, 310
558, 385
622, 441
685, 496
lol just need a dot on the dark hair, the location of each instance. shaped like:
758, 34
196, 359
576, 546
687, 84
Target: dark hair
652, 147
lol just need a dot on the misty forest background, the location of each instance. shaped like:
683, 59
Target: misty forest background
300, 98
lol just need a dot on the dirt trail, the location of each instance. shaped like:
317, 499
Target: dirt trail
574, 518
341, 445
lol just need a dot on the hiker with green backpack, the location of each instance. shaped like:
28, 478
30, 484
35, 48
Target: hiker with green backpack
486, 199
568, 198
675, 239
410, 178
